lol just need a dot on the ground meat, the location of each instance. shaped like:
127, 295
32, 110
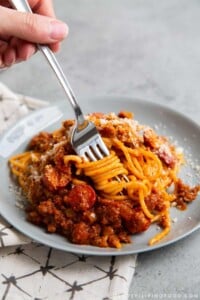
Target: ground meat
155, 201
34, 189
164, 221
54, 179
67, 124
150, 139
165, 154
58, 160
108, 213
50, 216
108, 131
121, 214
34, 217
80, 233
138, 222
41, 142
125, 114
58, 157
185, 194
160, 146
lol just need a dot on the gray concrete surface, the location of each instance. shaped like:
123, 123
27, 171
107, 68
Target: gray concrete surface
142, 48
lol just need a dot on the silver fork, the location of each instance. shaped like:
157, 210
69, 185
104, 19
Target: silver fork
85, 139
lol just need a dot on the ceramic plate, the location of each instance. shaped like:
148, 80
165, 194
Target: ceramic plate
181, 130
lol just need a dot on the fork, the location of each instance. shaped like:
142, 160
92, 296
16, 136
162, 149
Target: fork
85, 139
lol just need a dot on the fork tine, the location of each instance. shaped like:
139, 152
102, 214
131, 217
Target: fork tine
89, 154
96, 151
103, 147
86, 154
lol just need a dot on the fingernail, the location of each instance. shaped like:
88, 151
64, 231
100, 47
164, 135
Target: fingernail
3, 46
59, 30
9, 57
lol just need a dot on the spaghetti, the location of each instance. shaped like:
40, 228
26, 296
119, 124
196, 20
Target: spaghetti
102, 203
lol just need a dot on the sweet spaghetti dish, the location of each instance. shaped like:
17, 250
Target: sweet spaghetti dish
103, 203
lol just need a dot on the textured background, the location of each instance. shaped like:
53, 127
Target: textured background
142, 48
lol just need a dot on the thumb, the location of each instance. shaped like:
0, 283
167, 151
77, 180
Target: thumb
31, 27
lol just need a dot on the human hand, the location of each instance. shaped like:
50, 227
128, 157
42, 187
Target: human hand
19, 32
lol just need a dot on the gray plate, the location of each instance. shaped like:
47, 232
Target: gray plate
183, 131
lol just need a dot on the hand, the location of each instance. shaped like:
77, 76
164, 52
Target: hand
19, 32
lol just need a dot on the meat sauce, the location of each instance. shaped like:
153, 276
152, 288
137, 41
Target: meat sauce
85, 218
77, 211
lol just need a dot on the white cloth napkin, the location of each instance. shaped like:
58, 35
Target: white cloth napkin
29, 270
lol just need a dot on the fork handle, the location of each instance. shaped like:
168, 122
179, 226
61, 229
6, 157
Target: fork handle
23, 6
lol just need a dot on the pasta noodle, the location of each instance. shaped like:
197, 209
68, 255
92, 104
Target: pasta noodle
102, 202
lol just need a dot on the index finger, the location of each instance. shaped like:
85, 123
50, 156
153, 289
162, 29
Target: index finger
45, 7
42, 7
